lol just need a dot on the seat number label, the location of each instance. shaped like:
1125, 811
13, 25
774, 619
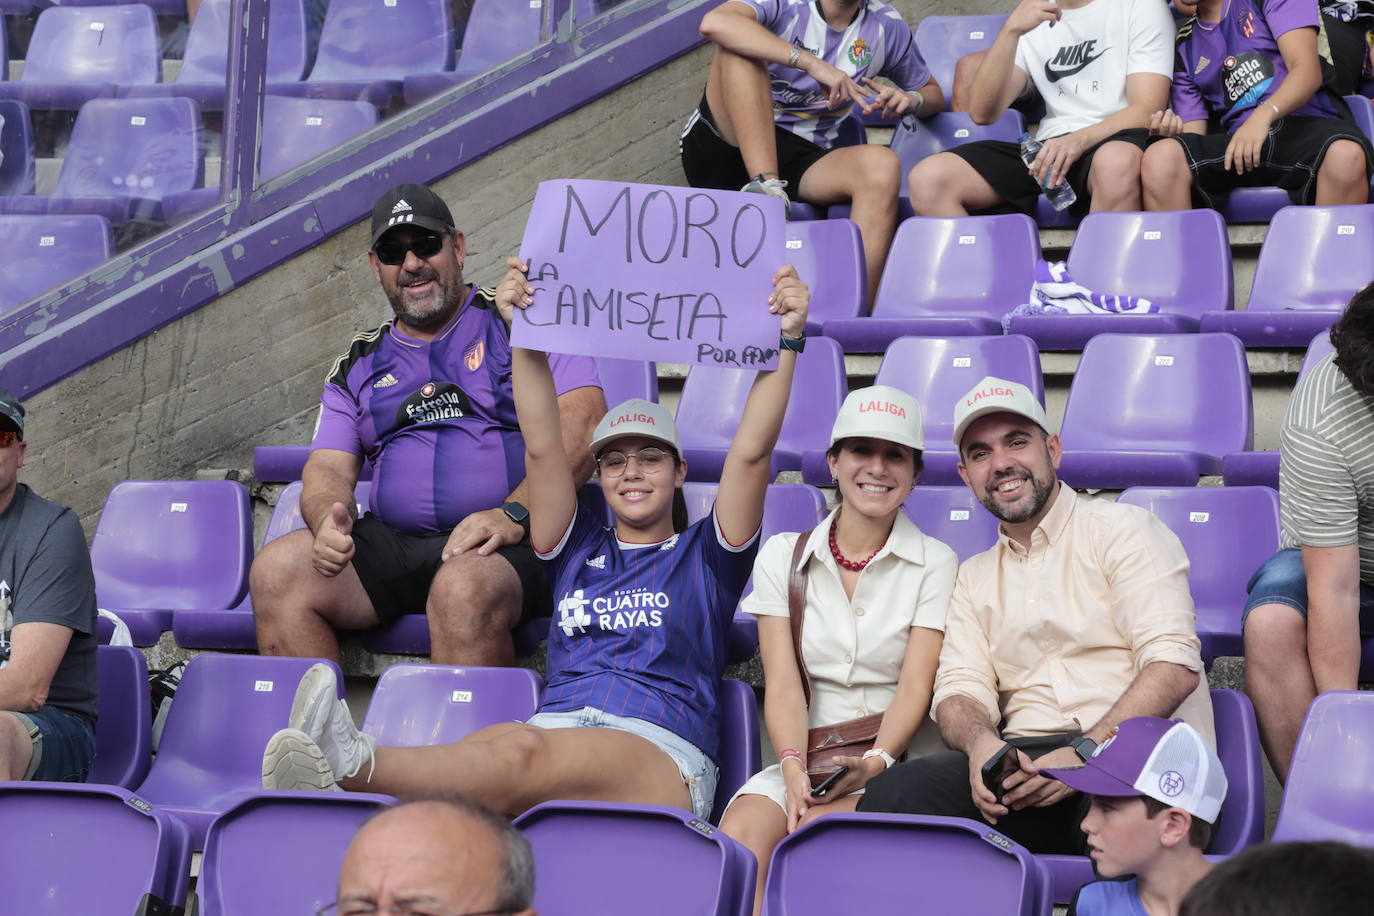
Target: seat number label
1164, 360
975, 36
461, 696
178, 507
958, 515
47, 241
794, 243
1199, 518
961, 133
262, 686
968, 240
1346, 229
962, 362
1153, 235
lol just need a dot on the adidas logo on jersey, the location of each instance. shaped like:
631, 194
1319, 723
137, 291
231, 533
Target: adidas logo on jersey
597, 562
401, 207
386, 381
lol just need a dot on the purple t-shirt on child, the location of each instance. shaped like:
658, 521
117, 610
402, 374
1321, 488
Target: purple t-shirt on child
878, 42
1226, 68
437, 418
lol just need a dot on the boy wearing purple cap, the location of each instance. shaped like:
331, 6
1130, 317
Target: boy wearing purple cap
1179, 784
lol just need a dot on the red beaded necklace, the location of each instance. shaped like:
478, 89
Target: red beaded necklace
840, 558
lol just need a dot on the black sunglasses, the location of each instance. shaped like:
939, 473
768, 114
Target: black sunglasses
392, 253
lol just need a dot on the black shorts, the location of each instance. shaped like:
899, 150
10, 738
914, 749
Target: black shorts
710, 162
396, 570
999, 163
1289, 159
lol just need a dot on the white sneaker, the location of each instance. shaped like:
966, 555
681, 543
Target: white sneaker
773, 187
318, 712
293, 762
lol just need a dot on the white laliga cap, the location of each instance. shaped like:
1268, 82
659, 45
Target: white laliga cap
996, 395
636, 417
880, 412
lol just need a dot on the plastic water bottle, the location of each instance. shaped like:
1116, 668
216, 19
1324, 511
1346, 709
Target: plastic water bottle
1061, 195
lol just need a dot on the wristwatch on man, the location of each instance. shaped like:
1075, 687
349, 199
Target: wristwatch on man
1084, 747
517, 513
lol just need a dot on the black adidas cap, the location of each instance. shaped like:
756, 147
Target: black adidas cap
11, 411
410, 205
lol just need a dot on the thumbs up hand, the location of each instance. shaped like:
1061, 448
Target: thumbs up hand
334, 541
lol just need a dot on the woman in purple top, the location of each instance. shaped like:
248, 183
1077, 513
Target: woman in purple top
630, 709
1253, 65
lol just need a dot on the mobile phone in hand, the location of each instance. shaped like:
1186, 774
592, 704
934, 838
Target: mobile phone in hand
821, 790
999, 766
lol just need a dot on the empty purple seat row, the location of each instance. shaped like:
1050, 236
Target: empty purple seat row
42, 252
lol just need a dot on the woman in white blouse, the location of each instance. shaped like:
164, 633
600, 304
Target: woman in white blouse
876, 594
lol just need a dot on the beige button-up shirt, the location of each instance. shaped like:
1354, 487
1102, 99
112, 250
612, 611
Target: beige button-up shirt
1047, 639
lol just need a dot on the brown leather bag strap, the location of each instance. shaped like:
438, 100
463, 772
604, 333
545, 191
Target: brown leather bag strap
796, 608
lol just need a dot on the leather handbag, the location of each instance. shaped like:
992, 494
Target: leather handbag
849, 738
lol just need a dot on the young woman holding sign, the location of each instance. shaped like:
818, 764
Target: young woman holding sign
872, 590
637, 647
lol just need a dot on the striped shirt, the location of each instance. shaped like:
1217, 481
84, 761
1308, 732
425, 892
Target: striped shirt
1326, 471
640, 628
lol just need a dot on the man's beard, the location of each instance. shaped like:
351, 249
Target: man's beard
430, 319
1040, 494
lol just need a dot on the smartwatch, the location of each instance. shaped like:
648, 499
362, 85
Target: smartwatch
518, 514
1084, 747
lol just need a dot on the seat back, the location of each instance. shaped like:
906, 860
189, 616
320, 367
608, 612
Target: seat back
1319, 347
622, 379
741, 754
667, 861
871, 862
1241, 822
1314, 258
42, 252
829, 257
384, 39
296, 130
497, 31
123, 731
16, 144
1327, 796
286, 515
207, 45
1171, 392
969, 265
415, 705
1178, 259
786, 506
173, 545
937, 372
253, 860
102, 44
944, 39
953, 515
226, 708
914, 139
133, 148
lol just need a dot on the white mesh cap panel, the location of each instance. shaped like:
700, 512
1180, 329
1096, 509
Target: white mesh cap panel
1184, 772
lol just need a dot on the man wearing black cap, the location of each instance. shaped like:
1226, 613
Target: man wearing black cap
426, 400
47, 626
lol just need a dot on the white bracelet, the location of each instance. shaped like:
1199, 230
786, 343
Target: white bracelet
1277, 113
794, 57
888, 760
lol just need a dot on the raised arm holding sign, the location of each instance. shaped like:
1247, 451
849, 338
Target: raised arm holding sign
645, 272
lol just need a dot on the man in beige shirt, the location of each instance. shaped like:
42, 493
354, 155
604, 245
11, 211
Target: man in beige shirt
1079, 617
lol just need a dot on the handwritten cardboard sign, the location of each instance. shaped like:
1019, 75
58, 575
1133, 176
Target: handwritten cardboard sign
653, 273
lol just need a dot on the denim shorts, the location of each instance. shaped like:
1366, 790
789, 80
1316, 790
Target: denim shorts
698, 772
1283, 580
63, 744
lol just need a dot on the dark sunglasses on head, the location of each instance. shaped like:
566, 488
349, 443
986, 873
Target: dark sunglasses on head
392, 253
8, 437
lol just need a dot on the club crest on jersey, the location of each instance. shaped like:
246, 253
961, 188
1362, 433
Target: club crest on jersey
572, 613
860, 53
1247, 23
474, 354
434, 401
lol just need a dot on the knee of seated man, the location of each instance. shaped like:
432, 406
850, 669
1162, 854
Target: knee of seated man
475, 586
933, 178
1115, 164
279, 566
1164, 164
879, 169
1345, 162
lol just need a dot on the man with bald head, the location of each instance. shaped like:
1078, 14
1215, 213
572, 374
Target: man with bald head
436, 857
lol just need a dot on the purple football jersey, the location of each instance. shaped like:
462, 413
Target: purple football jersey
1226, 68
640, 630
436, 418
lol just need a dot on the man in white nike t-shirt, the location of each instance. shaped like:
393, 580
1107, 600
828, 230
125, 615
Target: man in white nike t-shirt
1100, 66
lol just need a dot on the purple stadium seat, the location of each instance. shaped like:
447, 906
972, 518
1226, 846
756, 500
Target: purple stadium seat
284, 463
858, 863
667, 861
124, 729
125, 155
210, 755
1179, 259
1228, 532
1155, 411
938, 371
713, 400
1327, 796
43, 252
1241, 822
1314, 259
497, 31
161, 7
953, 515
416, 705
71, 848
231, 626
915, 139
741, 754
622, 379
367, 47
79, 54
944, 39
829, 257
16, 144
171, 545
255, 853
786, 507
947, 277
204, 67
1261, 469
